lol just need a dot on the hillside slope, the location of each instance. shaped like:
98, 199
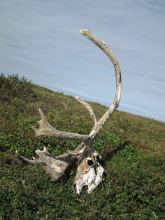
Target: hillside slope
133, 150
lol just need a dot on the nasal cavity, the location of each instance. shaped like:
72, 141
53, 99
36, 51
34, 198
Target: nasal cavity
90, 162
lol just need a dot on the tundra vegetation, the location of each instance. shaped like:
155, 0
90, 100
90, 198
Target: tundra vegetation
132, 148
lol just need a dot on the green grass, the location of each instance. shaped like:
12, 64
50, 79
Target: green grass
132, 147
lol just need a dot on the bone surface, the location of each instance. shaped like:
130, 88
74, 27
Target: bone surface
89, 170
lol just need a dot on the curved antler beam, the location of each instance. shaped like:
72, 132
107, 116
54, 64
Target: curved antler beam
115, 62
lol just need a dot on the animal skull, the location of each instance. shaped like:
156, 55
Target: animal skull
89, 173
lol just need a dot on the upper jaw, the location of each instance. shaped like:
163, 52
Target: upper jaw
91, 178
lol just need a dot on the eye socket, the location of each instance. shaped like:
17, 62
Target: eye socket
97, 158
90, 162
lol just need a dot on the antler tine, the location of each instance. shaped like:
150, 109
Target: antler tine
79, 149
90, 110
45, 129
113, 59
23, 158
76, 152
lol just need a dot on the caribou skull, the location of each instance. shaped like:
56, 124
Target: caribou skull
89, 170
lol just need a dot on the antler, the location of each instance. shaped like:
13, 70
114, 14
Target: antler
116, 101
90, 110
89, 170
93, 177
47, 130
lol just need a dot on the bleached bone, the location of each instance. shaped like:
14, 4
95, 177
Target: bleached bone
89, 170
23, 158
46, 129
90, 110
54, 167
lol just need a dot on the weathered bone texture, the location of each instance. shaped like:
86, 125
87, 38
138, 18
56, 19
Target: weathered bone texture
47, 130
89, 170
54, 167
90, 110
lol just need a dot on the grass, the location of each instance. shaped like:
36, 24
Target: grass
132, 147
